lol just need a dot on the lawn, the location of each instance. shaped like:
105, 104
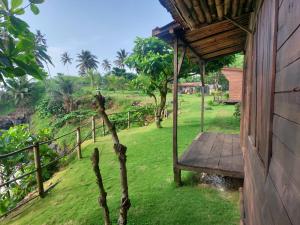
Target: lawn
154, 197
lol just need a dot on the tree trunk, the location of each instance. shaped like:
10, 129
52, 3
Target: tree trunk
162, 104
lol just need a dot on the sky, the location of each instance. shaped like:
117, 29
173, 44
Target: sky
100, 26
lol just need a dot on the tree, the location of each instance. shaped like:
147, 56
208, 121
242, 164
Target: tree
87, 61
66, 59
20, 90
152, 58
93, 75
120, 59
63, 91
106, 65
17, 43
118, 72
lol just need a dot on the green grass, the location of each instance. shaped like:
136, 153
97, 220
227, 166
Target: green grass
154, 197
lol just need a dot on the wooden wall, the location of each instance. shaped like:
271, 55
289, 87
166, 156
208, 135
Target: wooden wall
271, 116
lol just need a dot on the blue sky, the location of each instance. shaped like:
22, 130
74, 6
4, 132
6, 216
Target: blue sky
101, 26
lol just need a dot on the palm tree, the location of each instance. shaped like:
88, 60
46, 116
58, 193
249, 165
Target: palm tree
19, 89
106, 65
41, 50
93, 75
86, 61
63, 92
121, 56
66, 59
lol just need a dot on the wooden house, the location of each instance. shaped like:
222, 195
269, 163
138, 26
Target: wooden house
235, 80
267, 152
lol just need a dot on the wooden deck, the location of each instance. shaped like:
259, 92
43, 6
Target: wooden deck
214, 153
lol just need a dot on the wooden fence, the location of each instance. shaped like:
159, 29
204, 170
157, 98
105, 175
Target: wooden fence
79, 141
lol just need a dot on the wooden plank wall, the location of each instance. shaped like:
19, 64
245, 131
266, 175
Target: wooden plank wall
272, 188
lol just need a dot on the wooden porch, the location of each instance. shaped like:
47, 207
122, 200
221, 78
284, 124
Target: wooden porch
214, 153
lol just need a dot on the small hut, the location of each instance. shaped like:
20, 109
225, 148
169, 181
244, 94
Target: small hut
266, 153
235, 79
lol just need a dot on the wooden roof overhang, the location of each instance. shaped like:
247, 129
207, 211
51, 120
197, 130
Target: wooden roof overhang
222, 30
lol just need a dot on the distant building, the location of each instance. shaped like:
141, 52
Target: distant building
235, 78
191, 88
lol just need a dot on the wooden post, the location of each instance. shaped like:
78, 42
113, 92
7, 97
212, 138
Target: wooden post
38, 175
202, 96
242, 209
177, 178
128, 119
94, 129
103, 125
78, 143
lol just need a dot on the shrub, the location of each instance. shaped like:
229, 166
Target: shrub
18, 137
210, 103
48, 107
237, 111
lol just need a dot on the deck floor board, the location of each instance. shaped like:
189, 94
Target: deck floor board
215, 153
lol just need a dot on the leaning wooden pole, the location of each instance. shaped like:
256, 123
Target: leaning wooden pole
120, 150
202, 96
102, 198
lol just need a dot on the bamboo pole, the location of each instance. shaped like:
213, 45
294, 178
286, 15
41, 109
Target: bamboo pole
235, 5
227, 6
219, 7
94, 129
79, 155
198, 11
38, 175
248, 6
102, 198
241, 7
205, 9
212, 9
185, 13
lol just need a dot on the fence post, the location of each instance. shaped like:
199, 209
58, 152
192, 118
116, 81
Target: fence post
78, 143
93, 129
128, 119
37, 163
103, 125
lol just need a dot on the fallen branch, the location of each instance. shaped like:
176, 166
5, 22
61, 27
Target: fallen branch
103, 194
120, 150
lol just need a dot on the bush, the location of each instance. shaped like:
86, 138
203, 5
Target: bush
15, 138
74, 116
237, 111
48, 107
211, 103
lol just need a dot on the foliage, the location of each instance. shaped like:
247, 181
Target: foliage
18, 49
40, 49
106, 65
94, 77
86, 61
19, 89
153, 58
237, 111
66, 58
216, 65
74, 116
238, 62
120, 59
18, 137
114, 83
49, 107
118, 72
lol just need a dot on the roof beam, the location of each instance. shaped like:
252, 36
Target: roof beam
239, 25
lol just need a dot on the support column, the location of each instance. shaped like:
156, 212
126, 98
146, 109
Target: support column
177, 175
202, 64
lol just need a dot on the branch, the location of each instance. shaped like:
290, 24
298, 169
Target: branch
103, 194
120, 151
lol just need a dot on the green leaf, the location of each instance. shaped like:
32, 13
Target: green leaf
16, 3
4, 60
4, 3
34, 9
18, 24
19, 11
36, 1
